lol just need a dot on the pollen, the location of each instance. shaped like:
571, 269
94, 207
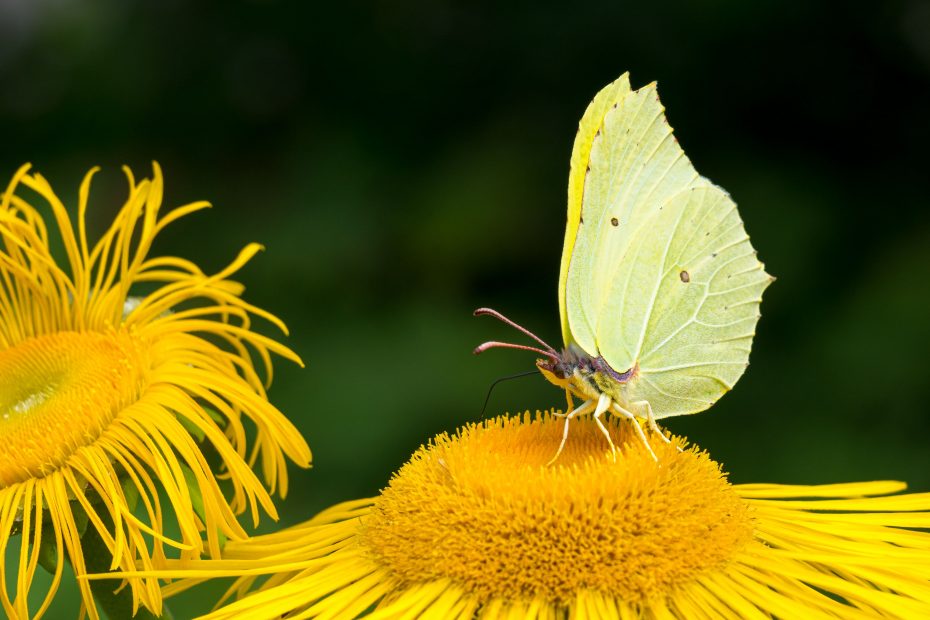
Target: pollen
58, 392
483, 510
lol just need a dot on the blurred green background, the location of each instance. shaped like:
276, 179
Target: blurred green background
406, 162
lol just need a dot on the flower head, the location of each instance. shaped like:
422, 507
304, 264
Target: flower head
111, 404
476, 525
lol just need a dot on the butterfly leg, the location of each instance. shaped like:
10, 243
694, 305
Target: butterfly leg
639, 429
571, 405
603, 404
652, 422
650, 417
584, 408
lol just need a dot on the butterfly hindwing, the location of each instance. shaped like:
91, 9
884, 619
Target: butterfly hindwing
683, 304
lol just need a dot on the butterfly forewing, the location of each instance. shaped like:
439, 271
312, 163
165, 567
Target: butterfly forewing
588, 128
635, 166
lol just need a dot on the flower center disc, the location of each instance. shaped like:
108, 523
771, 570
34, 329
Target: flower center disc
57, 393
483, 509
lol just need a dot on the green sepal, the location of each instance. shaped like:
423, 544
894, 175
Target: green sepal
80, 519
197, 499
130, 493
48, 549
48, 544
195, 430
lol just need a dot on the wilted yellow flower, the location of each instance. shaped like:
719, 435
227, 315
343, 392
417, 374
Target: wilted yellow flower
476, 525
107, 401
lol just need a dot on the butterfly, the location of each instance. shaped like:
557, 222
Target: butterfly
659, 286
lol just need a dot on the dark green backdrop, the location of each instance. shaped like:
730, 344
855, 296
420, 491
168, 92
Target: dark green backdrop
406, 162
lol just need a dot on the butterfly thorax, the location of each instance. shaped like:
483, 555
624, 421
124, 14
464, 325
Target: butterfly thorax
586, 376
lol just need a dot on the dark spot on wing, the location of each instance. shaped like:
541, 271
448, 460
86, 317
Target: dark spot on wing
685, 276
581, 220
614, 221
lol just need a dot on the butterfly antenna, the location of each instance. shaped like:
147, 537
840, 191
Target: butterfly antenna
487, 398
481, 348
500, 317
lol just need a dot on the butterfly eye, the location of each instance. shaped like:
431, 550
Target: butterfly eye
554, 367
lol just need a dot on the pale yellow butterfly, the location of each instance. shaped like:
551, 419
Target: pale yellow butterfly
659, 288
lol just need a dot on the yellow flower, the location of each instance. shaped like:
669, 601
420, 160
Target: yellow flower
476, 525
109, 401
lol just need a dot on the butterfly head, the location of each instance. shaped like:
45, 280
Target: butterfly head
566, 370
573, 369
556, 371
